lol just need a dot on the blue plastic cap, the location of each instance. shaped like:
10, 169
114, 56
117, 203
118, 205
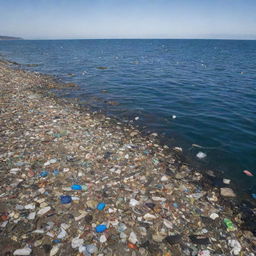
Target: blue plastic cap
101, 206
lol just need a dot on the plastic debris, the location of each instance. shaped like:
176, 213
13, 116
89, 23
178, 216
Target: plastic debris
201, 155
100, 228
101, 206
76, 187
236, 247
214, 216
24, 251
151, 194
248, 173
44, 174
66, 199
229, 224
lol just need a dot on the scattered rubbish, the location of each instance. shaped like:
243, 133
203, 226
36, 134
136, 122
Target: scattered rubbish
229, 224
100, 228
107, 188
248, 173
101, 206
65, 199
201, 155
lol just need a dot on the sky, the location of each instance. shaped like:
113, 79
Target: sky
71, 19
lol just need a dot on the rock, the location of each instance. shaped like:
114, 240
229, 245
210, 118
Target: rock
227, 192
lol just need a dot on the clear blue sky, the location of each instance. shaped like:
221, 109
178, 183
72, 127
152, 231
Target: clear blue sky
43, 19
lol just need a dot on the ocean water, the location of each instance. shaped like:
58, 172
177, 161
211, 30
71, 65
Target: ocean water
209, 85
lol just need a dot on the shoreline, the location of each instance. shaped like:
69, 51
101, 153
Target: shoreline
163, 199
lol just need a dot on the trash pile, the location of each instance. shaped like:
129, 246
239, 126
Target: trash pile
79, 183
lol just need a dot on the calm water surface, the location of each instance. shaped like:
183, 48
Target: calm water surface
210, 85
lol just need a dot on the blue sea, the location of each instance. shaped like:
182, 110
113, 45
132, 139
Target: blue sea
209, 85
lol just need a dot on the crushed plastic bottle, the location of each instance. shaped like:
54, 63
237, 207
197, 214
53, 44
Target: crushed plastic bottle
229, 224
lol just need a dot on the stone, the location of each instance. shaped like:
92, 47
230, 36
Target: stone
227, 192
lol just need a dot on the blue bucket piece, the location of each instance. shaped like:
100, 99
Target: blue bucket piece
100, 228
76, 187
65, 199
254, 196
44, 174
101, 206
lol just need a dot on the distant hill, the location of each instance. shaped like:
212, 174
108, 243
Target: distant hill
10, 38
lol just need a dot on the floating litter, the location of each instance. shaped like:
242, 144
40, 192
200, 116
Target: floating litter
200, 155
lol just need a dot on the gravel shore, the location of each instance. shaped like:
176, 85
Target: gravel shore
78, 183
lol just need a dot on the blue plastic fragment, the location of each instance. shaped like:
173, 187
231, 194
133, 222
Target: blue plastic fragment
56, 241
56, 172
43, 173
100, 228
65, 199
76, 187
101, 206
254, 196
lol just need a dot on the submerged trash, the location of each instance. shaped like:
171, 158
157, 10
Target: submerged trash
200, 155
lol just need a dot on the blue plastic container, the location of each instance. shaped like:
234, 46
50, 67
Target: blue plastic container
76, 187
100, 228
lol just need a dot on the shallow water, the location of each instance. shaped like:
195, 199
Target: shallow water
210, 85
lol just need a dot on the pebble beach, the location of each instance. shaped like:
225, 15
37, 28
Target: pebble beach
75, 182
